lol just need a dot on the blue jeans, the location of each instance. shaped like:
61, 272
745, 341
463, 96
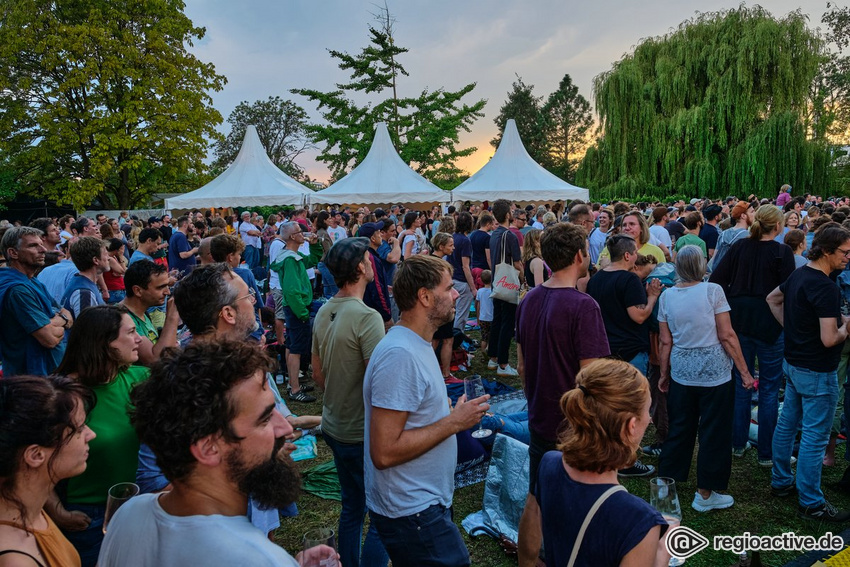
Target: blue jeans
348, 458
252, 256
641, 362
428, 538
329, 287
770, 377
810, 401
116, 296
512, 424
88, 541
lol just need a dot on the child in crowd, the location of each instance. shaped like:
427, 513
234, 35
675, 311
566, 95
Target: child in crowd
484, 308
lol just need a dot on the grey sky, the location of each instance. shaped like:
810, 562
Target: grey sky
266, 47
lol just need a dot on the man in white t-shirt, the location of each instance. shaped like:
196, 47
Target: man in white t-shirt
275, 248
335, 231
410, 447
217, 441
250, 235
658, 232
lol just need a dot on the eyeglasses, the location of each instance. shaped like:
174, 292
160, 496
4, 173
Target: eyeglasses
846, 253
252, 296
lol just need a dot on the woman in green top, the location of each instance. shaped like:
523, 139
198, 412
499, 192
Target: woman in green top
102, 346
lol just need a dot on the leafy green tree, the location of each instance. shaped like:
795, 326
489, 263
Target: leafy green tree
717, 106
425, 129
101, 100
567, 121
281, 127
525, 109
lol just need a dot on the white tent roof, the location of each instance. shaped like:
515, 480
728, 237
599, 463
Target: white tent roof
252, 180
381, 178
512, 174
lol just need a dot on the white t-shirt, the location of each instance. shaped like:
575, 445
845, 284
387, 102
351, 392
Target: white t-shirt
144, 535
485, 304
661, 235
275, 247
538, 225
404, 375
305, 249
595, 244
254, 241
416, 246
337, 233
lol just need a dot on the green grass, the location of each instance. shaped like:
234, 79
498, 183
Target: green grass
755, 510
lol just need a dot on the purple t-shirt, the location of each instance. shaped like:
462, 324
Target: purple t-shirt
556, 328
463, 249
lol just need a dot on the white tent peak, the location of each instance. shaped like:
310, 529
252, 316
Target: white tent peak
381, 178
512, 174
252, 180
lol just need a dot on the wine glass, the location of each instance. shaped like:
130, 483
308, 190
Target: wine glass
319, 548
473, 387
118, 494
663, 497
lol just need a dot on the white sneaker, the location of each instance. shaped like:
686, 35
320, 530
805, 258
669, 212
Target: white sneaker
714, 502
506, 371
492, 365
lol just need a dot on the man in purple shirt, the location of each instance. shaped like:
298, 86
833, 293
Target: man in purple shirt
559, 330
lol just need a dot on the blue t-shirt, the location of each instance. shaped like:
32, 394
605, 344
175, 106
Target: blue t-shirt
480, 242
80, 294
619, 525
463, 249
139, 255
25, 312
57, 277
179, 243
389, 268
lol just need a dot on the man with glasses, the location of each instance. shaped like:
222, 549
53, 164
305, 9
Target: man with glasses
519, 220
228, 248
297, 297
808, 306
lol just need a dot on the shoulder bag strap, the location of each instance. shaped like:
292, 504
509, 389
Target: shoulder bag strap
588, 518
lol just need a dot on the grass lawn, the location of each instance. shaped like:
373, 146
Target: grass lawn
755, 510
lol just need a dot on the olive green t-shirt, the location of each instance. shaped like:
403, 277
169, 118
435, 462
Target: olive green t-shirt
345, 333
691, 239
114, 452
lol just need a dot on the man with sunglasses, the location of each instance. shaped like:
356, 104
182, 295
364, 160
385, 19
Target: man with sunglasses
808, 306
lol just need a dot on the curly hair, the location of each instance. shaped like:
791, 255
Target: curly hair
187, 398
607, 395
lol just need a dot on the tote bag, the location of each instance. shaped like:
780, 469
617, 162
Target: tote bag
506, 278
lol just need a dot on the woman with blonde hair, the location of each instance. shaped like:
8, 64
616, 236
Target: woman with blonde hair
791, 221
536, 271
634, 224
606, 416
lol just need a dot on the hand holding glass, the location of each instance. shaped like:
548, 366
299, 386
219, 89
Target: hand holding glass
473, 387
319, 549
116, 497
663, 497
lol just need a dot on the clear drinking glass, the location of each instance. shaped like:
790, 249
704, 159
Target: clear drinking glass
116, 497
319, 548
473, 387
663, 497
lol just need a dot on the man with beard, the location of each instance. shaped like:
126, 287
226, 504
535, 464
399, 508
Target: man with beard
409, 445
345, 334
32, 336
209, 416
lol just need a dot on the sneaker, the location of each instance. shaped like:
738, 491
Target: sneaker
451, 379
301, 396
653, 450
492, 365
636, 470
716, 501
826, 512
506, 371
782, 491
740, 452
768, 463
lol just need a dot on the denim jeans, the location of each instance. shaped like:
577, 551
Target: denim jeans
329, 287
464, 302
428, 538
88, 541
252, 256
116, 296
513, 425
770, 377
810, 401
641, 362
348, 458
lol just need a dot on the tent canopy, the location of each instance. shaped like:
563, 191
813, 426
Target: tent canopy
381, 178
252, 180
512, 174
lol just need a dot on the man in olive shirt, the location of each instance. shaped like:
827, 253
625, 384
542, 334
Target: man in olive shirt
345, 333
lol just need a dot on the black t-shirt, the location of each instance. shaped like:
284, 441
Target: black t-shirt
676, 229
480, 242
748, 272
810, 296
709, 234
510, 245
615, 292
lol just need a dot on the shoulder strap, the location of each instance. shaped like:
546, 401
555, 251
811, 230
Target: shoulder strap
19, 552
592, 512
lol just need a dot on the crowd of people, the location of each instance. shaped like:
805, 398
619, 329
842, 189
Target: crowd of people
165, 352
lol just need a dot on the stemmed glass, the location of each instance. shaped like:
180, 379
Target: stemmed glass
663, 497
118, 494
319, 548
473, 387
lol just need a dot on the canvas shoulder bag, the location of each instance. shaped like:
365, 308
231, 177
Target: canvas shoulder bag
506, 278
588, 518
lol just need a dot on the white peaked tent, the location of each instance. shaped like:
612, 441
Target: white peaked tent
252, 180
512, 174
382, 178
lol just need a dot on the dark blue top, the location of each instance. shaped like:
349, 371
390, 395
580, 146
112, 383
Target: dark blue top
463, 249
503, 238
618, 526
179, 243
480, 241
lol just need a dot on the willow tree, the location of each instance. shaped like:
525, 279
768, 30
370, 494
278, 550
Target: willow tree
717, 106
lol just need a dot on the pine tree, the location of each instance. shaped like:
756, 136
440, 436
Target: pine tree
525, 108
567, 120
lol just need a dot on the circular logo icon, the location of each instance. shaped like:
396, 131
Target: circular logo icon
683, 542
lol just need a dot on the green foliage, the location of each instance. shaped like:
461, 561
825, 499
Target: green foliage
102, 100
566, 124
525, 109
281, 127
424, 129
716, 107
